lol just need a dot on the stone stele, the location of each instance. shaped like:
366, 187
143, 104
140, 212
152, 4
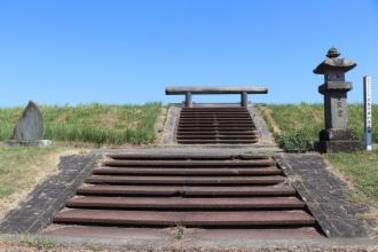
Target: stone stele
29, 128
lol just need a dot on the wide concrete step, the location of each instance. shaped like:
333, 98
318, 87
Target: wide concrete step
187, 191
213, 126
185, 180
185, 157
214, 109
217, 125
223, 118
218, 128
191, 163
215, 132
217, 141
203, 235
108, 232
187, 171
179, 203
218, 137
189, 219
228, 114
214, 112
210, 118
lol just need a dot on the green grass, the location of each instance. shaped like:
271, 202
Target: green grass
294, 124
40, 244
94, 123
18, 166
361, 168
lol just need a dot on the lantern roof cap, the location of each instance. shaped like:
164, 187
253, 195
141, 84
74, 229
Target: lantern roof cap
333, 53
334, 63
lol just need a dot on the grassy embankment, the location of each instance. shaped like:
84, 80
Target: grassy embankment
296, 127
94, 123
23, 168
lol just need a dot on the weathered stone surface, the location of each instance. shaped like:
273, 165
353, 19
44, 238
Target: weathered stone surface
347, 146
325, 195
334, 64
336, 134
29, 126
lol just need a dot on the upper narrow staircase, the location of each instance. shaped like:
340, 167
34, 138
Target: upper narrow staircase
216, 125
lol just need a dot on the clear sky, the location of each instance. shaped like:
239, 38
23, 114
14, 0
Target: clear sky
82, 51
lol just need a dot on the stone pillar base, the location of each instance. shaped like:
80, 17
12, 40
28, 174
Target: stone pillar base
338, 146
337, 140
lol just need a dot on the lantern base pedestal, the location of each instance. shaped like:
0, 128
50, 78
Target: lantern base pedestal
338, 146
337, 140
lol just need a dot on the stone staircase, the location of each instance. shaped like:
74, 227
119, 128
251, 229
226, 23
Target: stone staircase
216, 125
202, 191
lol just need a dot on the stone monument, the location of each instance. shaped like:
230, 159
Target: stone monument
336, 137
29, 128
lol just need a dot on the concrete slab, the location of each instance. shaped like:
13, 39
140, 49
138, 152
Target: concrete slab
325, 195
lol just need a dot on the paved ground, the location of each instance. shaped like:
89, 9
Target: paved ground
325, 195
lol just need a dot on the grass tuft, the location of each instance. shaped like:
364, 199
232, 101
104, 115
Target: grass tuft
299, 141
39, 244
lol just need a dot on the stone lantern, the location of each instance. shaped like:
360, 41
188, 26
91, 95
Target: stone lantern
336, 137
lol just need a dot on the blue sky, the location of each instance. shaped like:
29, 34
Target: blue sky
77, 51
